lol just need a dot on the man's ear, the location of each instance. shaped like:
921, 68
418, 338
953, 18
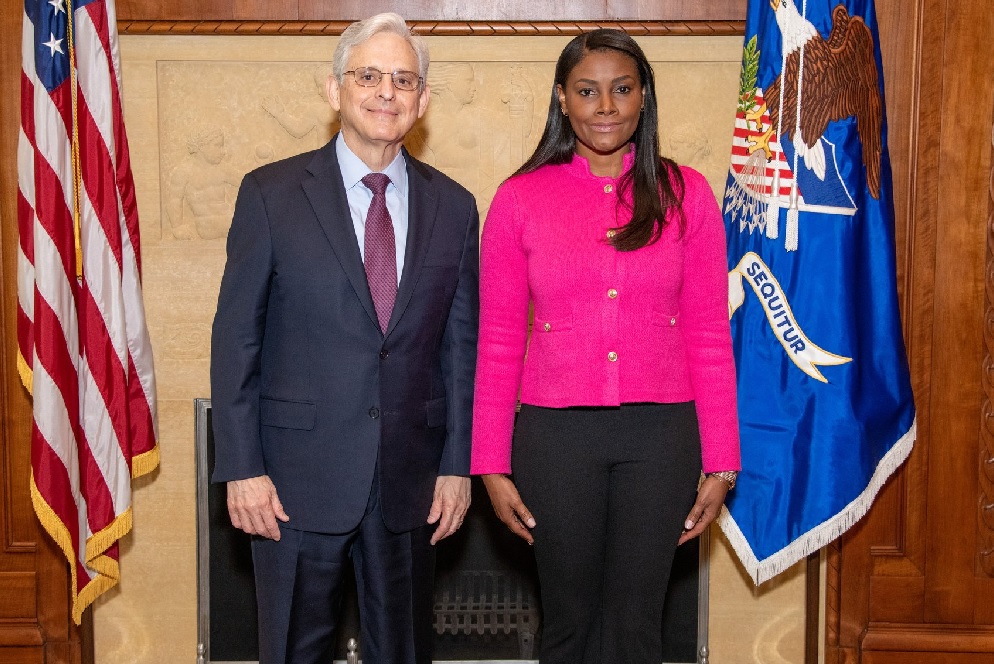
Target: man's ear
334, 91
424, 99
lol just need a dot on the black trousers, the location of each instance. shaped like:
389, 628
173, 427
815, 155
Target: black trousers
609, 489
299, 583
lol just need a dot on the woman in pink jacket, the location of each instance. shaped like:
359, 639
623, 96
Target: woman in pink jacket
627, 384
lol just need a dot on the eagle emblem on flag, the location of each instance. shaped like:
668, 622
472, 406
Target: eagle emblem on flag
782, 154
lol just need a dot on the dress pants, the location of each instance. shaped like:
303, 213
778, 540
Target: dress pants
299, 582
609, 489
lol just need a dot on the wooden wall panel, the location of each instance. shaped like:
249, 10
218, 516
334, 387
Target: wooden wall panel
18, 632
913, 657
959, 307
906, 583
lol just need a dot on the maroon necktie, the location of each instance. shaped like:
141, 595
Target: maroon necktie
380, 250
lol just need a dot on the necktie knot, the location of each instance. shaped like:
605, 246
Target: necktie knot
377, 183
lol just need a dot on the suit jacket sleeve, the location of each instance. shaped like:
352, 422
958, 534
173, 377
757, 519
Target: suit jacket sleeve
458, 357
236, 339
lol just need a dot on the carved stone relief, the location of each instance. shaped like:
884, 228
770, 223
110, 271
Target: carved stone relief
199, 192
482, 122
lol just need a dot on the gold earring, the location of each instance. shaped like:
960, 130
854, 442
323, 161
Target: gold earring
565, 114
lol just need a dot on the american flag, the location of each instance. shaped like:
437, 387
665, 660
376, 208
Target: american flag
84, 351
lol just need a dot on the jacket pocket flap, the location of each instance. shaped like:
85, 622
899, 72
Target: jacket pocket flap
542, 324
665, 320
287, 414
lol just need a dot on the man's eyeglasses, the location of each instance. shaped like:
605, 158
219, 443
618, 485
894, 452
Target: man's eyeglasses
370, 77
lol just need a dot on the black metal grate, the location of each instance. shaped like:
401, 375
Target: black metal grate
487, 603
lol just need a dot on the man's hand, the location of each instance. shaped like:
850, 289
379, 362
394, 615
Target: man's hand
449, 507
710, 497
254, 507
508, 506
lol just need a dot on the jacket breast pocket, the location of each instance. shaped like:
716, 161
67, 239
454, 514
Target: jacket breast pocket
436, 412
287, 414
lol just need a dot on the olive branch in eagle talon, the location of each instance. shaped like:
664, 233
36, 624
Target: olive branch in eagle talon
840, 81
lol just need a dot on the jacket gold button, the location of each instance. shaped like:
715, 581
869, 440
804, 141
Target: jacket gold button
673, 321
547, 326
608, 188
612, 293
612, 356
611, 233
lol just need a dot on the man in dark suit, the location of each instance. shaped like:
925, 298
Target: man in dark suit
342, 367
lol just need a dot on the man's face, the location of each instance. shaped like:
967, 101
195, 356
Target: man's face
378, 117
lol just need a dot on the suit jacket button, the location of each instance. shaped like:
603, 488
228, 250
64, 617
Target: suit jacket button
374, 412
384, 353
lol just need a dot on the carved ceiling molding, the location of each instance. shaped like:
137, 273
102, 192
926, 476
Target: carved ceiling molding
436, 28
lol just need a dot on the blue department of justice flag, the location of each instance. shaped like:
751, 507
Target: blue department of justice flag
825, 403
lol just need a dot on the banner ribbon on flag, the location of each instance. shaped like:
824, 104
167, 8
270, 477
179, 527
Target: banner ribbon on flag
800, 349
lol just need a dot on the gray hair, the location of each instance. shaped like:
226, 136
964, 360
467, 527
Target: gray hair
360, 31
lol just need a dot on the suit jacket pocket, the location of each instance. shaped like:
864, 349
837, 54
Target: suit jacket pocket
287, 414
543, 324
665, 320
436, 412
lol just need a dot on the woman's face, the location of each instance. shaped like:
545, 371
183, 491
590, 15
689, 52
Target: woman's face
603, 100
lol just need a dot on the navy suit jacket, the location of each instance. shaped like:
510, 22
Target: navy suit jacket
305, 387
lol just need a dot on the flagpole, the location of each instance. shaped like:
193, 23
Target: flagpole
77, 178
812, 607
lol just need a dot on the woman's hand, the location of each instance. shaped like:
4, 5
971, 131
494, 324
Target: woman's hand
508, 506
710, 497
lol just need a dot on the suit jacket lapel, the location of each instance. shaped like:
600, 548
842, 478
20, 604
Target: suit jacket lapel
422, 205
326, 192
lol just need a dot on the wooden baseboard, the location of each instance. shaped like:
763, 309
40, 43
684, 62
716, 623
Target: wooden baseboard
929, 638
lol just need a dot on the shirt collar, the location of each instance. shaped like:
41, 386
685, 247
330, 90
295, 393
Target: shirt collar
354, 169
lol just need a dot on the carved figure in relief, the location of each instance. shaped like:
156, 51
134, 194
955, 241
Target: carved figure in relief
520, 100
308, 117
451, 130
689, 145
200, 193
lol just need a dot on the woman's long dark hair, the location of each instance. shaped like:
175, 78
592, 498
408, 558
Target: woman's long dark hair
655, 182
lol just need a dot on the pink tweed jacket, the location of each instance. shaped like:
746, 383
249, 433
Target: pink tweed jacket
609, 327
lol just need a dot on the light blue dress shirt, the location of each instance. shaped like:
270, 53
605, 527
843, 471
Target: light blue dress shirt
360, 197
